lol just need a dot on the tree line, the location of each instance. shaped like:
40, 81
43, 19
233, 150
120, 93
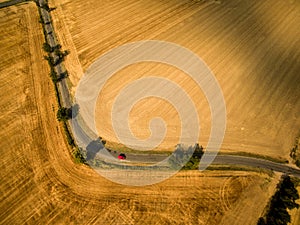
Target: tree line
54, 57
283, 200
186, 159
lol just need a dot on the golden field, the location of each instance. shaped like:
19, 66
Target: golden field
40, 183
252, 47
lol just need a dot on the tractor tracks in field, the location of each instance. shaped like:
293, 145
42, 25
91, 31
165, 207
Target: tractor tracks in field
66, 100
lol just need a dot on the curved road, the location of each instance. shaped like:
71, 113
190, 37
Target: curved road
225, 160
220, 159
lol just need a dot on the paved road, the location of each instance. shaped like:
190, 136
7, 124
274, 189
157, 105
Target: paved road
254, 162
219, 160
226, 160
60, 69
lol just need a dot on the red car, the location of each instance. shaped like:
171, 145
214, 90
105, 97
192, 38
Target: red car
122, 156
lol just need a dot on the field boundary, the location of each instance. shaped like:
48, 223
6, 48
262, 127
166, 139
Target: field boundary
12, 2
56, 72
257, 156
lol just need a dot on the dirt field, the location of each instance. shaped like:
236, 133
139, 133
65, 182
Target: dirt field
253, 48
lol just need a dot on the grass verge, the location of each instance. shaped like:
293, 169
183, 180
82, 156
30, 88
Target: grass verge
240, 168
253, 155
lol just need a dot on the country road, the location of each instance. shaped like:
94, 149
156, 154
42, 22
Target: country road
95, 147
255, 162
52, 41
223, 160
148, 158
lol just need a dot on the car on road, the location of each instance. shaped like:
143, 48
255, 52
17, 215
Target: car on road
122, 156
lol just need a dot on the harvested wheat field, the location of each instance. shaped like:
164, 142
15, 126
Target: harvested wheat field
252, 47
40, 183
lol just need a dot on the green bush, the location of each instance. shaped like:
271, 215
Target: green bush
58, 46
66, 52
78, 156
50, 60
70, 139
191, 156
63, 75
64, 114
53, 75
47, 48
45, 6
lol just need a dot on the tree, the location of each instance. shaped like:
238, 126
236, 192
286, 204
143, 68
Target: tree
187, 160
53, 75
261, 221
46, 7
61, 55
57, 52
69, 137
66, 52
47, 48
278, 215
79, 156
50, 60
64, 114
63, 75
288, 193
198, 151
283, 199
58, 46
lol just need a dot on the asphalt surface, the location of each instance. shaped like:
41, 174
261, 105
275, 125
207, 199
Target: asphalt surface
223, 160
255, 162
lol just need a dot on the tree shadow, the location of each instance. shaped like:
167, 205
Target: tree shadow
75, 110
93, 148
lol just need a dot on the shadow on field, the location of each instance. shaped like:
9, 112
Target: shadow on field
93, 148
